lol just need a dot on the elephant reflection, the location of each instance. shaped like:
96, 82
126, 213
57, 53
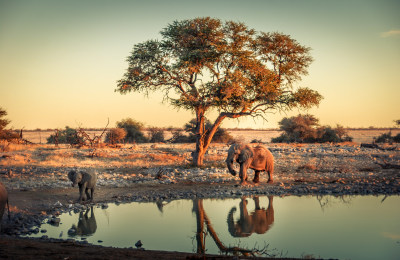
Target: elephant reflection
259, 221
86, 225
205, 227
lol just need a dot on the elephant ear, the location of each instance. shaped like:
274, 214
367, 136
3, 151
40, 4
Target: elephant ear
245, 154
71, 175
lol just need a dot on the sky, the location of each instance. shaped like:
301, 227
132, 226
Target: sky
60, 60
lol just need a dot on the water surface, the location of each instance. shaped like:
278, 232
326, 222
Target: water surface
350, 227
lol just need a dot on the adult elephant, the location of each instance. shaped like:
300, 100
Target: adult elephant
3, 202
259, 221
258, 158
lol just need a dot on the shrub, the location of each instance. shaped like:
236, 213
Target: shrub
388, 138
67, 136
6, 134
156, 135
306, 129
115, 135
179, 137
133, 130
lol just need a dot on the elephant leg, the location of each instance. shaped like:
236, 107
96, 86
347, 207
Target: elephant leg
87, 194
81, 188
270, 178
256, 176
91, 194
257, 202
243, 172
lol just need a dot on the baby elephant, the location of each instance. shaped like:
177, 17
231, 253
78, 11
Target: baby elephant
85, 182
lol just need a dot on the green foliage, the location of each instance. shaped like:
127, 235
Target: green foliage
115, 135
236, 68
66, 136
156, 135
306, 129
133, 130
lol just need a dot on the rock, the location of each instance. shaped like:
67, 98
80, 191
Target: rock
139, 244
55, 221
71, 231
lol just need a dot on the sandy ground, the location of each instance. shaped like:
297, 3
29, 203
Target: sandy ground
36, 178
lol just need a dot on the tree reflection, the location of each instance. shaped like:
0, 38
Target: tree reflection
260, 221
326, 201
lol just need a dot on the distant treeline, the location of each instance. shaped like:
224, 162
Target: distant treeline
227, 129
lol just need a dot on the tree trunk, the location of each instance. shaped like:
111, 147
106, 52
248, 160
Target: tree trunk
203, 137
198, 154
199, 210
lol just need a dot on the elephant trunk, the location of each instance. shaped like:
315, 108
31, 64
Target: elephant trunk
230, 167
231, 222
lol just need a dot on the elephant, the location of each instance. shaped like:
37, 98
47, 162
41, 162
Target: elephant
85, 182
3, 202
259, 221
87, 225
258, 158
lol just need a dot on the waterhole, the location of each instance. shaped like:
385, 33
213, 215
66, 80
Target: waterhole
348, 227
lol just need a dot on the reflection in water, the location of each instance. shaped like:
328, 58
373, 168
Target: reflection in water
236, 226
259, 221
86, 224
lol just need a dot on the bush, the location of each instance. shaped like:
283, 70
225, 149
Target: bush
179, 137
9, 135
6, 134
115, 135
306, 129
327, 134
156, 135
67, 136
220, 136
388, 138
133, 130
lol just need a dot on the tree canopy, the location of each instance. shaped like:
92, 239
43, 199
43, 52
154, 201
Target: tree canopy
205, 64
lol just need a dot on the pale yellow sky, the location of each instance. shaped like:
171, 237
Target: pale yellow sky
60, 60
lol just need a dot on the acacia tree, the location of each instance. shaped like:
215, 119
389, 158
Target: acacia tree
205, 64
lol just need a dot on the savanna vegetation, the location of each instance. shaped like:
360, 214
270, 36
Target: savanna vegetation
67, 136
6, 134
306, 129
387, 137
206, 64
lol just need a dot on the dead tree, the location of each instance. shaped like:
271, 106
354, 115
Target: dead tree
92, 141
